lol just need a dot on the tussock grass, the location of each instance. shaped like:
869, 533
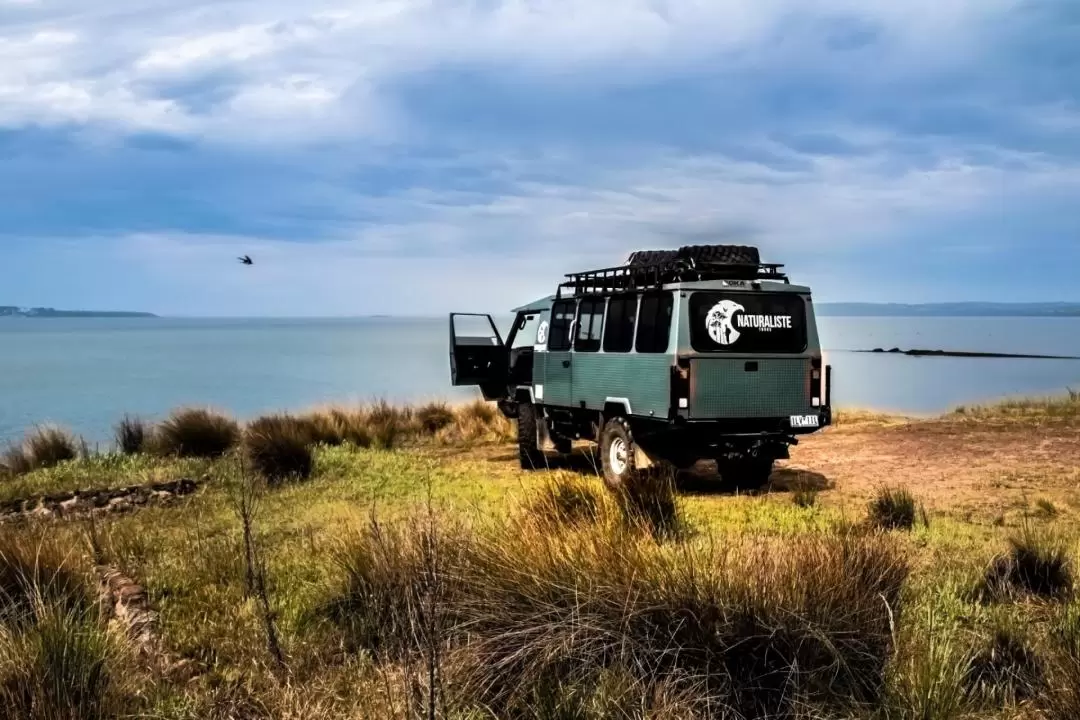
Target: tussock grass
1005, 670
893, 509
1061, 407
34, 570
397, 580
196, 432
804, 498
1035, 565
567, 498
526, 618
1063, 698
131, 435
279, 448
434, 417
43, 447
753, 626
65, 667
651, 502
927, 676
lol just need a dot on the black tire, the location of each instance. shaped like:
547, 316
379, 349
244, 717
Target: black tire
736, 254
651, 257
529, 454
745, 473
618, 474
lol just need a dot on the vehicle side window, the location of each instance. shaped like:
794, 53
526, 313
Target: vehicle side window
654, 324
621, 318
590, 325
562, 315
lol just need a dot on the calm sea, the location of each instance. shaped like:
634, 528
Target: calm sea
86, 374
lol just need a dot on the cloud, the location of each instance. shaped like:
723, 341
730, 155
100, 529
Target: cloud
130, 64
400, 153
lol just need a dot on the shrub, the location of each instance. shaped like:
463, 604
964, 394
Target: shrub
433, 417
131, 435
893, 509
196, 432
279, 448
1006, 670
567, 498
1034, 565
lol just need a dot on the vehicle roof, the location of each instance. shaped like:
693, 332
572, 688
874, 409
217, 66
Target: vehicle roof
543, 303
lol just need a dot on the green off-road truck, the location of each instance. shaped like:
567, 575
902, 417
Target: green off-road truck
678, 356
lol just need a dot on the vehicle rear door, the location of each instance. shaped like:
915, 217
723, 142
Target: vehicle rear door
751, 358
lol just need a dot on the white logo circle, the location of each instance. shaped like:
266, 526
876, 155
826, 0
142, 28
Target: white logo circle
541, 333
719, 322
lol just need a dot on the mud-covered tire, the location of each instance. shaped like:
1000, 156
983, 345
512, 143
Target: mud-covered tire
651, 257
617, 454
735, 254
529, 454
746, 474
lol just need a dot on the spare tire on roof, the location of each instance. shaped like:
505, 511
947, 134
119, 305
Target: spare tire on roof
735, 254
651, 257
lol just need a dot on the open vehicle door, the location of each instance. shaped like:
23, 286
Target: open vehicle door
478, 355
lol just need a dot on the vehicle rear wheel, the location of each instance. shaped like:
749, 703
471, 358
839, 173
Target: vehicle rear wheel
617, 454
529, 454
746, 473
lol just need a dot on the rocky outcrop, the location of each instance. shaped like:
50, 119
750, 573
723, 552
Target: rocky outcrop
81, 503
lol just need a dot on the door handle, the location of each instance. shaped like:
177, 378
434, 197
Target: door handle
566, 363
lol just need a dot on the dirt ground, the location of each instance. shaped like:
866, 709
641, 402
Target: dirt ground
975, 469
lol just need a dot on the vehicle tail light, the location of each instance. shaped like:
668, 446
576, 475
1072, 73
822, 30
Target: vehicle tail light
815, 381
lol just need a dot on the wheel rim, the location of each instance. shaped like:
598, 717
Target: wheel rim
618, 456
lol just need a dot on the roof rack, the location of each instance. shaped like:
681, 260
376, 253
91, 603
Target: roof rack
626, 278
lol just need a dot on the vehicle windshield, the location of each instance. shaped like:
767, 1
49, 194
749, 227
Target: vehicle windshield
526, 334
746, 322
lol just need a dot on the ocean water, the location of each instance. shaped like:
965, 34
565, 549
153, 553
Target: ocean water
87, 373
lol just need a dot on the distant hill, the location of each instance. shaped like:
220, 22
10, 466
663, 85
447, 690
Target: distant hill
961, 309
12, 311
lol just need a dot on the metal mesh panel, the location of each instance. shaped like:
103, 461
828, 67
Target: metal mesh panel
724, 388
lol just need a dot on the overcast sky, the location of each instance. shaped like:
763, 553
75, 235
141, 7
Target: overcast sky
417, 156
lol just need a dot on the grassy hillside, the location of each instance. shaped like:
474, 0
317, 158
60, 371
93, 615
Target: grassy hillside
411, 570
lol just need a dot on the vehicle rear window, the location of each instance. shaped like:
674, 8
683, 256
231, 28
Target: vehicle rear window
748, 322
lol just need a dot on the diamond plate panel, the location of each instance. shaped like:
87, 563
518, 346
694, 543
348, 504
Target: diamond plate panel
725, 388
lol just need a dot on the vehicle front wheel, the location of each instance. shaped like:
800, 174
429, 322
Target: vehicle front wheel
529, 454
617, 454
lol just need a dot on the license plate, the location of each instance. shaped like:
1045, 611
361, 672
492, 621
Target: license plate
804, 421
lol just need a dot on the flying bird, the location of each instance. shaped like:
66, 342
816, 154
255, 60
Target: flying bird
246, 260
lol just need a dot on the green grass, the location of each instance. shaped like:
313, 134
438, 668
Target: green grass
530, 589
